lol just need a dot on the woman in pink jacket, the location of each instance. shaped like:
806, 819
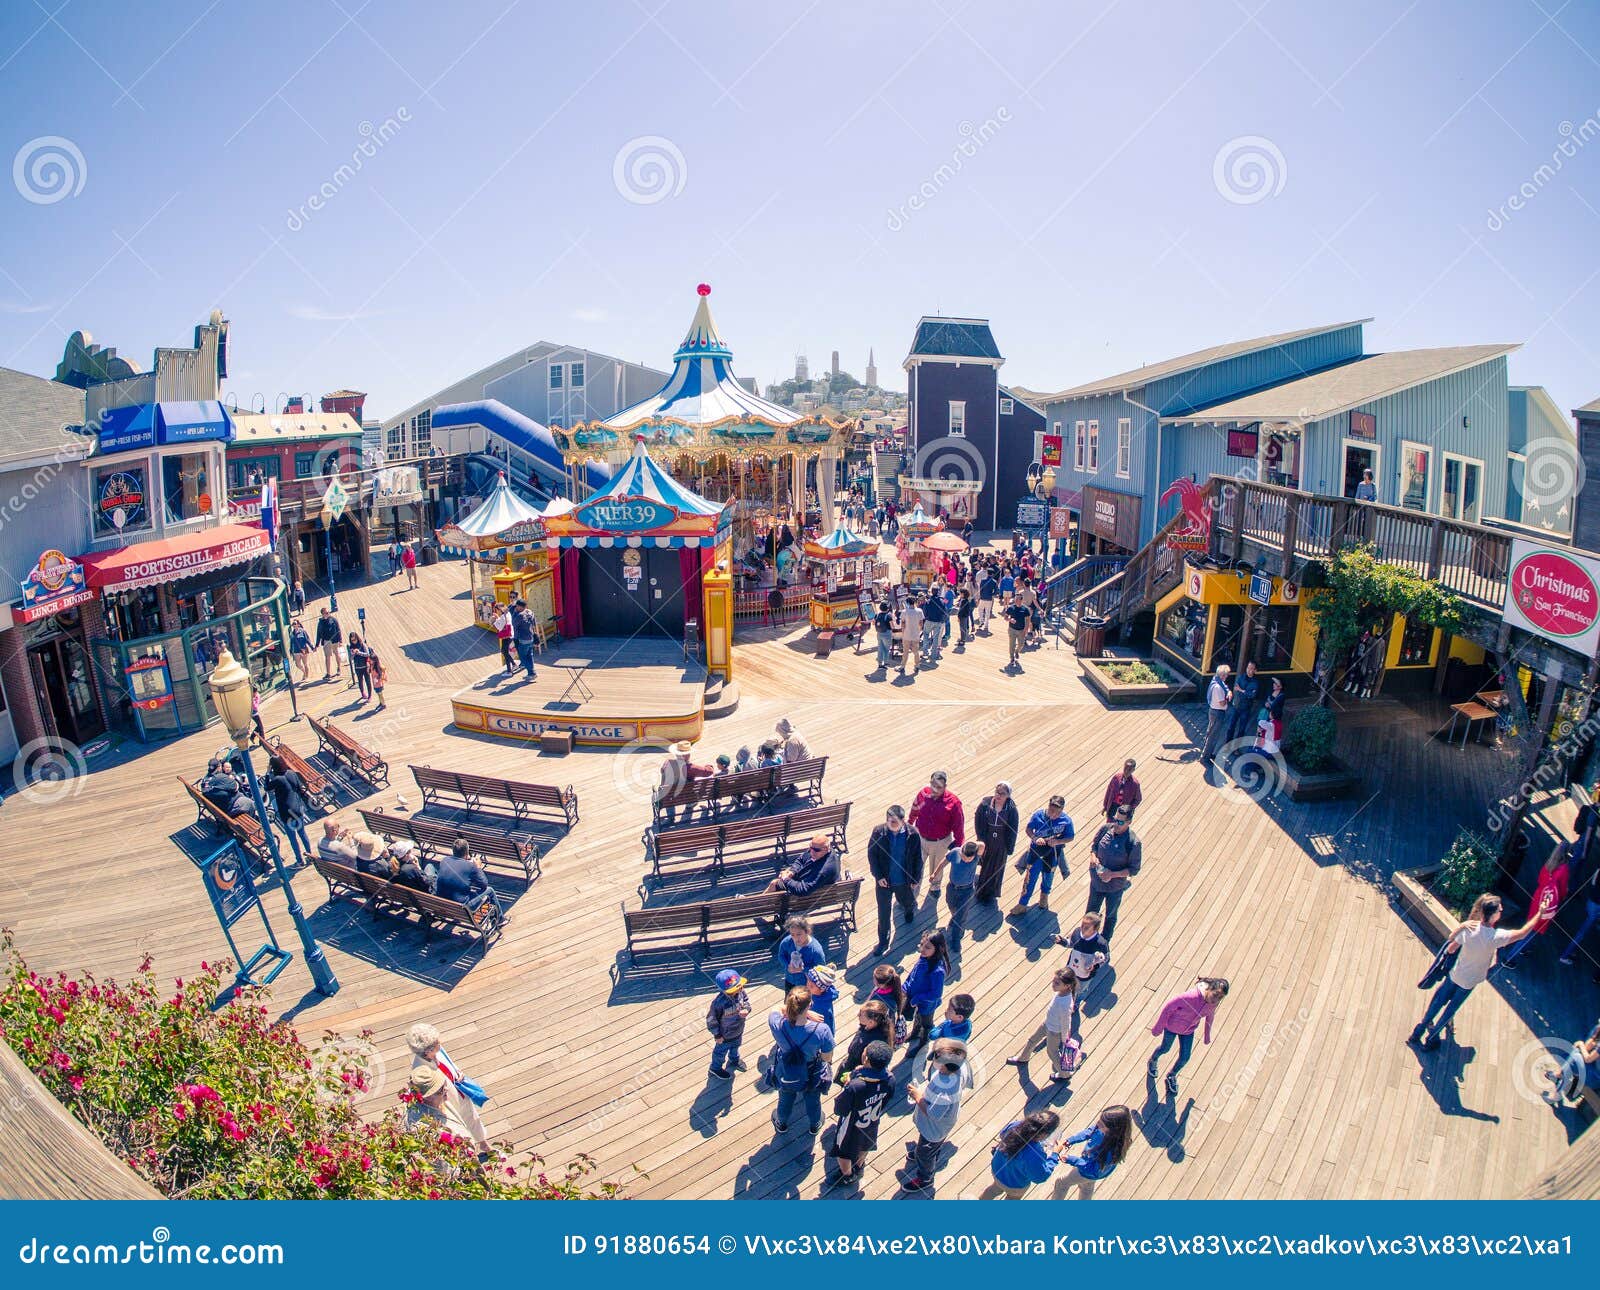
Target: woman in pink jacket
1180, 1018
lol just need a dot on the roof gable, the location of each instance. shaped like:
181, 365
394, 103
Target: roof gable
954, 338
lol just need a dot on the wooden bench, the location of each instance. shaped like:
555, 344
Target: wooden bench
676, 924
350, 752
433, 912
758, 836
319, 788
245, 829
437, 837
472, 790
763, 784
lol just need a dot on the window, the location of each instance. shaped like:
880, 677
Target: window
241, 470
120, 504
1077, 447
394, 442
422, 433
186, 486
1416, 469
1124, 447
958, 418
557, 376
575, 375
1007, 407
304, 464
1459, 497
1094, 447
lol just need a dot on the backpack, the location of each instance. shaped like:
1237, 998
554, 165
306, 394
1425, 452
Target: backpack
793, 1067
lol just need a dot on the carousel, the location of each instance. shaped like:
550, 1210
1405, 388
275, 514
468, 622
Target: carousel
772, 466
842, 565
919, 562
503, 540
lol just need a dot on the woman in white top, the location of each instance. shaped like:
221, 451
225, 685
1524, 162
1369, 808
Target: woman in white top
1474, 944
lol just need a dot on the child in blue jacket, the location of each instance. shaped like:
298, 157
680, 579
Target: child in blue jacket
1023, 1155
1104, 1144
925, 987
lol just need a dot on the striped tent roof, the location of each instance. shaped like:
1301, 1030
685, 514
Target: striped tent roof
702, 389
497, 515
681, 517
840, 544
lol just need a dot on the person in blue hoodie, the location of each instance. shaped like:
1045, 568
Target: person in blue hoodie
1023, 1155
957, 1023
799, 952
824, 993
925, 987
1102, 1148
860, 1106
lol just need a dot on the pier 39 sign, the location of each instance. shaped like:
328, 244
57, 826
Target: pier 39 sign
1554, 593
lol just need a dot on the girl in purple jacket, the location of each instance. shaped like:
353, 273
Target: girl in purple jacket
1180, 1018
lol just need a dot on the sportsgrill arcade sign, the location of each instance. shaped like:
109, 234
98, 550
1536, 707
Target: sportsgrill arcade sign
1554, 593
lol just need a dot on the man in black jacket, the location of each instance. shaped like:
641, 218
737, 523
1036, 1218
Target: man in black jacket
894, 855
819, 867
330, 636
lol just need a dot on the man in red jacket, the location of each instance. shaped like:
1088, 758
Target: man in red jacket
1123, 790
937, 816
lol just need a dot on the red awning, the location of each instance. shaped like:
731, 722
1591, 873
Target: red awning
147, 563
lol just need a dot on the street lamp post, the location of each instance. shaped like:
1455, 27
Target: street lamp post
231, 693
327, 538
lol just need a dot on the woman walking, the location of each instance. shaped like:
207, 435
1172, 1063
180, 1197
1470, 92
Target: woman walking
1103, 1145
289, 797
995, 824
360, 665
465, 1096
300, 647
1023, 1156
925, 986
1180, 1018
1474, 945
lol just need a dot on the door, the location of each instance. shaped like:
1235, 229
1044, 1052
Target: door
1461, 497
1416, 470
642, 598
61, 675
1357, 459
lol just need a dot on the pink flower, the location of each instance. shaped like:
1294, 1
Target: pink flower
366, 1162
447, 1139
180, 1112
75, 1082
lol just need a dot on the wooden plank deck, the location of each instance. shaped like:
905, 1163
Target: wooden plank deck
1308, 1090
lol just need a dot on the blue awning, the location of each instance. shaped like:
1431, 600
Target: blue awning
122, 429
145, 425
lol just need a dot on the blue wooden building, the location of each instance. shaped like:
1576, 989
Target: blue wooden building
963, 423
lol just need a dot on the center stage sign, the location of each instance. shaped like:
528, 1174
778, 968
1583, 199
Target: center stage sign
1554, 593
526, 726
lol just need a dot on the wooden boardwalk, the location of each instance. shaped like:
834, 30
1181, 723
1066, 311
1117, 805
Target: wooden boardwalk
1309, 1090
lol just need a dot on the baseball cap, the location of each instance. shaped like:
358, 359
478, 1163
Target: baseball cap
729, 981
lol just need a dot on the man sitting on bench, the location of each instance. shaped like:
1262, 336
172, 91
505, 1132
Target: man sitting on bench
335, 845
676, 771
462, 879
819, 867
222, 788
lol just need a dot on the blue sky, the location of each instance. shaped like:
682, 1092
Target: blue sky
1072, 165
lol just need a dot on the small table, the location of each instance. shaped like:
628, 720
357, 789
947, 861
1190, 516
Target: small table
574, 668
1473, 711
1490, 698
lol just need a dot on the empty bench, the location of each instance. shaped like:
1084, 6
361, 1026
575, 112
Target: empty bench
433, 912
437, 837
244, 829
803, 778
698, 923
758, 837
472, 790
351, 752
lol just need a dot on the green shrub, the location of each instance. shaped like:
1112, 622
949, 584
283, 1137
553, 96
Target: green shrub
232, 1105
1136, 672
1469, 869
1308, 742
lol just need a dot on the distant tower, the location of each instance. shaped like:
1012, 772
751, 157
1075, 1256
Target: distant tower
802, 369
834, 370
872, 371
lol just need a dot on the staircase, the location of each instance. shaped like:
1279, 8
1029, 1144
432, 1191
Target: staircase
1150, 573
1060, 592
885, 476
722, 698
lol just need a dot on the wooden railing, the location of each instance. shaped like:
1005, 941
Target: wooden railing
1151, 572
1472, 560
294, 494
1063, 587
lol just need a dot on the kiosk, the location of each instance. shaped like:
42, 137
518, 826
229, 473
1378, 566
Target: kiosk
841, 564
504, 542
919, 565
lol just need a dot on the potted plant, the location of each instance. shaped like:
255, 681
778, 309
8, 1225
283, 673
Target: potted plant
1312, 772
1439, 895
1128, 681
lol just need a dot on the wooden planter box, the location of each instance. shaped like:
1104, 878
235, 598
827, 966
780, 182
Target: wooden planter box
1130, 695
1323, 786
1436, 921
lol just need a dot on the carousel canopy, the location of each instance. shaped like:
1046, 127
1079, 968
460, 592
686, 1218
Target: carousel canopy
917, 525
502, 521
642, 504
702, 409
841, 544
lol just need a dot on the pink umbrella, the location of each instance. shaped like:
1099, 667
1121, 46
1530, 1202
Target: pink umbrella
944, 541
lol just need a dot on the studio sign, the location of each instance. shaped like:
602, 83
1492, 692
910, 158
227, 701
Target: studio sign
625, 515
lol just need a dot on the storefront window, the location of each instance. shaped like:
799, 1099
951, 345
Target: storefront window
1230, 627
121, 504
243, 472
1275, 631
1415, 643
185, 487
1183, 630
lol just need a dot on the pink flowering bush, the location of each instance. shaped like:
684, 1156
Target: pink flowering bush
230, 1104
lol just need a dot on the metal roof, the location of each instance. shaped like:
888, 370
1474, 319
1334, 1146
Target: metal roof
293, 427
1588, 409
37, 417
1132, 380
1349, 385
953, 338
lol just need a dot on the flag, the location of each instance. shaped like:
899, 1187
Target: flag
269, 509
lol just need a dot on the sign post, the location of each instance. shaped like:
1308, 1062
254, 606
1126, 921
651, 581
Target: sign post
233, 895
333, 503
1261, 588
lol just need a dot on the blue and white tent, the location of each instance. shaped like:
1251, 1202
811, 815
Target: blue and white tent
501, 522
643, 505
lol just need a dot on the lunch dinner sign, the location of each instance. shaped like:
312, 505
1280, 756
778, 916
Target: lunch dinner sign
1554, 593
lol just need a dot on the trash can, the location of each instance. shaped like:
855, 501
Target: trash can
1091, 638
430, 555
